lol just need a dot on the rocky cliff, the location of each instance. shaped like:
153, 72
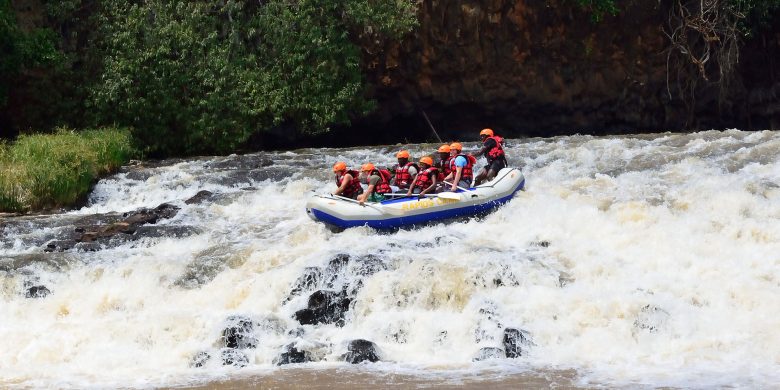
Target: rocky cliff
540, 68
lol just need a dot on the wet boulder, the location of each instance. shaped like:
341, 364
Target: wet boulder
200, 359
487, 353
516, 342
143, 216
200, 197
324, 307
308, 281
239, 333
335, 269
37, 292
360, 350
165, 231
59, 245
292, 355
233, 357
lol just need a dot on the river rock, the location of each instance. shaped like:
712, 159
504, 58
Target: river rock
360, 350
486, 353
239, 333
516, 342
37, 292
308, 281
200, 197
292, 355
200, 359
233, 357
324, 307
144, 215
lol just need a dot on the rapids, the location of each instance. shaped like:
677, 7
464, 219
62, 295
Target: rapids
634, 260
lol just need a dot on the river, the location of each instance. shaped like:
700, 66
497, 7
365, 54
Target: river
647, 260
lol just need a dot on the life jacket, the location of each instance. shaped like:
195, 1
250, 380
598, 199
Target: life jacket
425, 178
468, 170
402, 176
353, 188
497, 151
443, 168
383, 187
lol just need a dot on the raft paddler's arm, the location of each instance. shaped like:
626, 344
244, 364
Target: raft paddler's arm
456, 180
430, 187
411, 185
344, 183
369, 190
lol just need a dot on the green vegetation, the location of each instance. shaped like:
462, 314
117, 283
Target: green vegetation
202, 76
40, 171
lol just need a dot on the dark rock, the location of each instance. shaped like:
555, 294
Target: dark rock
360, 351
200, 359
488, 325
37, 292
88, 247
367, 265
296, 332
233, 357
239, 333
335, 269
292, 356
324, 307
306, 282
200, 197
516, 342
166, 231
144, 215
489, 353
59, 245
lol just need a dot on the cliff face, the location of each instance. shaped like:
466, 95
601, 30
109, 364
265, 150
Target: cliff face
543, 68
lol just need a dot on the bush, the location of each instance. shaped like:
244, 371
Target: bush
41, 171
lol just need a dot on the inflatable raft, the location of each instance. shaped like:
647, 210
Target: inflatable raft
408, 211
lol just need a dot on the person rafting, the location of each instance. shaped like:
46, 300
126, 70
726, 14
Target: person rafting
443, 164
425, 181
404, 172
461, 168
348, 181
493, 150
378, 181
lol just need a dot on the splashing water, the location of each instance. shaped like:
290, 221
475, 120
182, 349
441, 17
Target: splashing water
648, 260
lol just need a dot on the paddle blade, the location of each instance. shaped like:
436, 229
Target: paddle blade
449, 195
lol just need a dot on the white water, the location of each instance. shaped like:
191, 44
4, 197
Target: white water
688, 224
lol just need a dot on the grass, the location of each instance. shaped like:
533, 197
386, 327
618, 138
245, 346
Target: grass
53, 170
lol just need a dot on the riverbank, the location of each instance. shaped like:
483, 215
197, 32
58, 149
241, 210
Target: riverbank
43, 171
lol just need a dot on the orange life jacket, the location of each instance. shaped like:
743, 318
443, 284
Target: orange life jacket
468, 170
497, 151
353, 188
402, 176
425, 178
383, 187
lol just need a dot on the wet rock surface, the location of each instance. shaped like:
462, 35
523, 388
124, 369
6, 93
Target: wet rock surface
37, 292
233, 357
360, 350
516, 342
487, 353
292, 355
324, 307
239, 333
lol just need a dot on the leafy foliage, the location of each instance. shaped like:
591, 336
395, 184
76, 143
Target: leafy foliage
202, 76
598, 8
20, 50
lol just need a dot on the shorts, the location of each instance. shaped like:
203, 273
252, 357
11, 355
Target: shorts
374, 197
496, 165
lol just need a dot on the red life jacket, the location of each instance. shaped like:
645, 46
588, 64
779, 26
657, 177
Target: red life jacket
425, 178
497, 151
444, 168
468, 170
353, 188
402, 176
383, 186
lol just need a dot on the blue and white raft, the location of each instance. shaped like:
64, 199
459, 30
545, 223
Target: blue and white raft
407, 211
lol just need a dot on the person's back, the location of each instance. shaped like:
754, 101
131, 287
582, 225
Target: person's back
348, 181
